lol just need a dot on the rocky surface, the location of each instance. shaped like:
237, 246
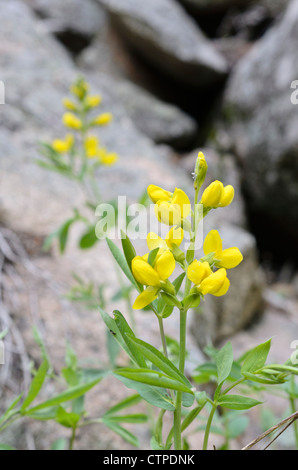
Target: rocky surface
83, 17
262, 122
169, 39
214, 5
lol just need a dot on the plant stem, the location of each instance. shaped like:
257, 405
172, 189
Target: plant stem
72, 439
293, 408
177, 412
208, 427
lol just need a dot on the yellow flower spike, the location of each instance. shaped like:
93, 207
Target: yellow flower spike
63, 146
216, 284
165, 265
212, 195
174, 237
197, 271
102, 119
91, 146
92, 101
144, 272
80, 88
145, 298
69, 104
227, 197
228, 258
158, 194
71, 121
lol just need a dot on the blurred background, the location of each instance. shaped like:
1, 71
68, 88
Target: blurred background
179, 76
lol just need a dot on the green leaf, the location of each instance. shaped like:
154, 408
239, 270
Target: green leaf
123, 404
152, 256
6, 447
160, 361
88, 239
155, 445
63, 234
10, 410
67, 395
59, 444
4, 333
66, 419
39, 341
224, 362
128, 337
121, 261
256, 358
237, 426
128, 249
261, 379
170, 300
131, 418
152, 377
237, 402
156, 396
36, 385
122, 432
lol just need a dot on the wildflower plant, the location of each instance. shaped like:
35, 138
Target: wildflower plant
158, 378
78, 155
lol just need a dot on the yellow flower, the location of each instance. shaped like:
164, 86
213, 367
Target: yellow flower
172, 208
216, 195
107, 159
200, 170
63, 146
173, 237
69, 104
228, 258
91, 146
79, 88
102, 119
152, 276
206, 281
93, 100
158, 194
72, 121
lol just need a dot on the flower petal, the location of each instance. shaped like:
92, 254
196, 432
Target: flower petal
213, 283
145, 298
224, 289
230, 258
174, 236
158, 194
213, 193
154, 241
144, 273
213, 243
228, 196
198, 271
181, 198
165, 265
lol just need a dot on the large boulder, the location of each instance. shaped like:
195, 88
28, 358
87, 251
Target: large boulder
262, 119
163, 33
84, 17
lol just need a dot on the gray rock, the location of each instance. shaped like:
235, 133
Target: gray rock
162, 32
221, 317
263, 121
82, 16
214, 5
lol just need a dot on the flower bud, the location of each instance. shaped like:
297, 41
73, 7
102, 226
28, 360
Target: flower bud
200, 171
212, 195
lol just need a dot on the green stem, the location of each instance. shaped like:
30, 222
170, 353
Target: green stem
72, 438
177, 412
293, 408
208, 427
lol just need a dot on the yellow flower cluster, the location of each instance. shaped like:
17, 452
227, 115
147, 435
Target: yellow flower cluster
208, 274
74, 118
